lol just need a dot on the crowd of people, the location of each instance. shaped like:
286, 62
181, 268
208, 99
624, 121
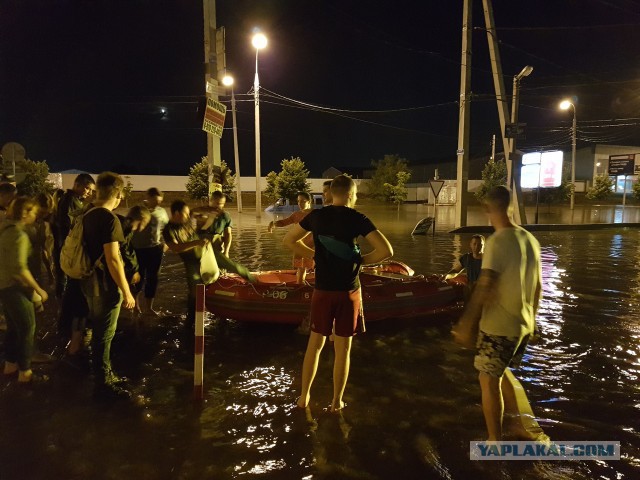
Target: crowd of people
126, 254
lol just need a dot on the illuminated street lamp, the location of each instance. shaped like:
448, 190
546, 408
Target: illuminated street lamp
227, 81
525, 72
565, 105
259, 41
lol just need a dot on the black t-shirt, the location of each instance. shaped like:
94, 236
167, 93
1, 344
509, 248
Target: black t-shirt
177, 233
472, 265
100, 227
335, 231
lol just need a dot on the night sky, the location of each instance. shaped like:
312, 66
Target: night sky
83, 83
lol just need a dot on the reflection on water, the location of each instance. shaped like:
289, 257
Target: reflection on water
413, 399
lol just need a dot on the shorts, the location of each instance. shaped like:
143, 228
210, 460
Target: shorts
339, 310
495, 353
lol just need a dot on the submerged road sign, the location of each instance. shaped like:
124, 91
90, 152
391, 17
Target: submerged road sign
214, 117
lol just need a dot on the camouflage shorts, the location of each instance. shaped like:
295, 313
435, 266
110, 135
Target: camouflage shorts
496, 353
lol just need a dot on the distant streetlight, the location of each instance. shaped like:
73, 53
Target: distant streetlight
227, 81
516, 164
565, 105
525, 72
259, 41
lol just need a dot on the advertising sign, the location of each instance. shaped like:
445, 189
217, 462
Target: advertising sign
622, 164
541, 169
214, 117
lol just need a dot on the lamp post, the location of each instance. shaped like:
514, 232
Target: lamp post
259, 41
228, 82
565, 105
516, 162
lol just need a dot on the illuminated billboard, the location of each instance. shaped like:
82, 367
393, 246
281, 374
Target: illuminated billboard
541, 169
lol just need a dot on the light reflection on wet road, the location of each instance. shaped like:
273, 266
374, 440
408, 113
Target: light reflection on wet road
413, 399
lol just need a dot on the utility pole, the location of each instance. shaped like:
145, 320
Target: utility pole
514, 161
464, 122
214, 61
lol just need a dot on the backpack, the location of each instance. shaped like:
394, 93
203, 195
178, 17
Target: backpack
74, 258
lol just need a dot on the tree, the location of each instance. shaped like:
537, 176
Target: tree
556, 195
292, 178
289, 181
494, 174
636, 190
198, 183
36, 178
601, 189
397, 193
386, 171
271, 192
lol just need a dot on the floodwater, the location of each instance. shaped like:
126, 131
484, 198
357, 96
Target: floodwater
413, 402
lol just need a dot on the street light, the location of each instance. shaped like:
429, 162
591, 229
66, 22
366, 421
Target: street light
227, 81
565, 105
259, 41
525, 72
516, 164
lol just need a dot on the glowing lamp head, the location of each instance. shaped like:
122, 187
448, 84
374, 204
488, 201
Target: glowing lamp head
259, 41
565, 105
227, 80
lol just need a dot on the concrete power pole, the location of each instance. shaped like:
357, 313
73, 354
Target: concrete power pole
464, 122
513, 164
214, 61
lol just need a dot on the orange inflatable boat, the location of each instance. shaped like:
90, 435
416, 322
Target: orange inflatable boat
389, 291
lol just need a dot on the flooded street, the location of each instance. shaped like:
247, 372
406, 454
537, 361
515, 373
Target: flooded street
413, 400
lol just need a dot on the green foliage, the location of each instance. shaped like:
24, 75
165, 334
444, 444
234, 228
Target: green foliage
271, 192
36, 178
198, 183
636, 190
556, 195
494, 174
397, 193
601, 189
291, 180
386, 172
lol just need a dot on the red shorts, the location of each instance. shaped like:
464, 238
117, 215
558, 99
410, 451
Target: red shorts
340, 309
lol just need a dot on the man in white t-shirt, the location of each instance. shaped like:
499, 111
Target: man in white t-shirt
504, 302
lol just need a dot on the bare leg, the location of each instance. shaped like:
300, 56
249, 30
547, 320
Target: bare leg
492, 405
342, 348
310, 367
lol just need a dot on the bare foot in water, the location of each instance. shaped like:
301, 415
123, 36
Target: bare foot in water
301, 403
337, 406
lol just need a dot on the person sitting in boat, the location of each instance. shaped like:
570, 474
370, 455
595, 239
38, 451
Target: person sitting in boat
336, 301
470, 262
214, 224
301, 264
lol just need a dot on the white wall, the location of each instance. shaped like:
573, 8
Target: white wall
177, 183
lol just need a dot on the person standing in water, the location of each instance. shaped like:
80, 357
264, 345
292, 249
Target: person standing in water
337, 300
502, 309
